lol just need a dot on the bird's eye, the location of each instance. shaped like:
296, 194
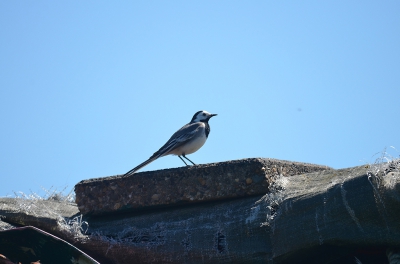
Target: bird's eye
204, 114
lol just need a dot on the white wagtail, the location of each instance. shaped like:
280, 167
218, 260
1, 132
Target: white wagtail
187, 140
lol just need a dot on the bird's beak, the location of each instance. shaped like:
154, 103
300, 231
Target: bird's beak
213, 115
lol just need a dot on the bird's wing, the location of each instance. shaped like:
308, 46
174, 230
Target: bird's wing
180, 137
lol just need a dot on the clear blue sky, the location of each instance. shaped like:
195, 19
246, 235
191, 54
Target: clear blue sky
93, 88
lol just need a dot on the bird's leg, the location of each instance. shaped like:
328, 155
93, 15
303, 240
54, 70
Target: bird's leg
188, 159
183, 160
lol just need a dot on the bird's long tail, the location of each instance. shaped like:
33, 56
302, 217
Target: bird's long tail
132, 171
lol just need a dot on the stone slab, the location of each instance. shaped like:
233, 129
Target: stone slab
186, 185
43, 214
329, 216
324, 216
214, 232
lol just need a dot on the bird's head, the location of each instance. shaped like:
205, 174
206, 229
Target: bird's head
202, 116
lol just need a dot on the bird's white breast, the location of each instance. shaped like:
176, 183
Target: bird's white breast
193, 145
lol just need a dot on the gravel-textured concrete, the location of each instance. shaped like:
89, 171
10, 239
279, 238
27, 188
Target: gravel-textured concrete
192, 184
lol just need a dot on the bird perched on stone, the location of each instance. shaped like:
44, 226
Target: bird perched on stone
187, 140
